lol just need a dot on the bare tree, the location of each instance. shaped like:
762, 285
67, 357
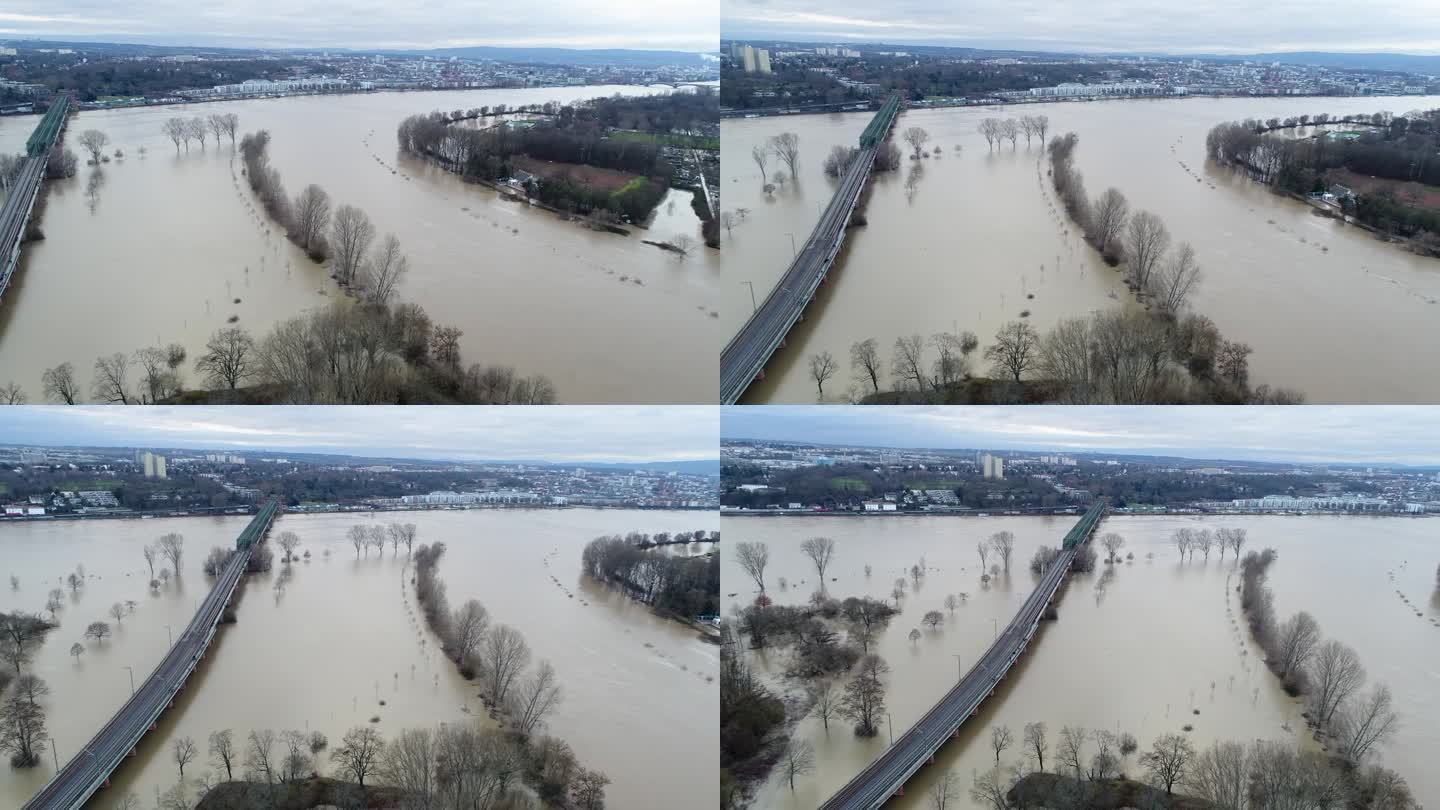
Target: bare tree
217, 126
1221, 775
1042, 125
172, 548
1147, 239
196, 127
1027, 126
1204, 541
1183, 539
408, 764
987, 790
1168, 761
787, 147
944, 791
505, 655
752, 559
1004, 545
727, 221
534, 699
909, 361
359, 538
1295, 643
865, 362
1001, 737
385, 270
288, 542
359, 753
222, 748
259, 756
405, 532
822, 368
820, 550
93, 141
312, 216
1070, 750
12, 394
917, 137
1035, 743
864, 700
1016, 349
60, 385
1337, 674
1172, 282
1109, 214
798, 759
98, 631
952, 363
184, 751
111, 382
990, 128
77, 650
177, 131
761, 156
229, 123
351, 234
22, 730
825, 702
118, 611
1112, 543
229, 358
1009, 129
1364, 724
467, 629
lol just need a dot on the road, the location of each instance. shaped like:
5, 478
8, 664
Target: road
886, 776
90, 769
745, 356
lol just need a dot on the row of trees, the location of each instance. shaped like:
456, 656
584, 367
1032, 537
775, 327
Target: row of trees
683, 585
184, 130
1189, 541
1329, 673
23, 733
344, 353
499, 656
996, 130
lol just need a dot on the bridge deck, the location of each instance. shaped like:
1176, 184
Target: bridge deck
885, 776
15, 213
90, 769
745, 356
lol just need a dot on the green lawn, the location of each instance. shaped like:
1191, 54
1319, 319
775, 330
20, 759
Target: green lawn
850, 484
671, 140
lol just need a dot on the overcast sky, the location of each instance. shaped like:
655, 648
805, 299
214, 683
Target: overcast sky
1314, 433
1168, 26
573, 433
372, 24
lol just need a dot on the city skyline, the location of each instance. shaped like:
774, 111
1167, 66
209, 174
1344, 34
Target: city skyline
574, 434
1229, 27
326, 23
1359, 435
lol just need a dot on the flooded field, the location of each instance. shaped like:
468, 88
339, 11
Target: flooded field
974, 238
169, 246
319, 648
1139, 650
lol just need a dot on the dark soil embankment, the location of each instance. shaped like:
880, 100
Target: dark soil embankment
297, 796
1054, 790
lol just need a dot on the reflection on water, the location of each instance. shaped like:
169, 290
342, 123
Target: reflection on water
174, 237
1145, 648
983, 238
320, 645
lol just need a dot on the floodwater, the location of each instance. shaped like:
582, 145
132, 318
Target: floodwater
163, 247
343, 634
966, 244
1137, 651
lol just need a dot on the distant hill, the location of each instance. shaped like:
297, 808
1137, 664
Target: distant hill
567, 56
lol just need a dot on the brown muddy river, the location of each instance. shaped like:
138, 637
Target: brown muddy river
966, 244
1137, 651
156, 248
343, 634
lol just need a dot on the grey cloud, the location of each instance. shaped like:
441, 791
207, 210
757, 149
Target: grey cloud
371, 24
1312, 433
1222, 26
562, 434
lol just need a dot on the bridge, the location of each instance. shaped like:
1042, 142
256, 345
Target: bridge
90, 769
16, 210
743, 359
886, 776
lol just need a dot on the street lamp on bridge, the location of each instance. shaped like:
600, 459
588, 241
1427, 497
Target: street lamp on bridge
132, 680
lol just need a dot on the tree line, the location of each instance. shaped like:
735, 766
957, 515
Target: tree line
995, 130
1328, 673
1402, 149
346, 353
498, 656
685, 586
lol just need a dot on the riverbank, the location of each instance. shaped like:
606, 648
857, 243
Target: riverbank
311, 793
349, 509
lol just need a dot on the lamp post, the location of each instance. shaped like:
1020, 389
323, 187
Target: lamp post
753, 306
793, 249
132, 679
958, 673
170, 635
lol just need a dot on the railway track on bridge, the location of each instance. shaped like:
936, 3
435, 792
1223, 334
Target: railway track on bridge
20, 203
744, 357
90, 769
886, 776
